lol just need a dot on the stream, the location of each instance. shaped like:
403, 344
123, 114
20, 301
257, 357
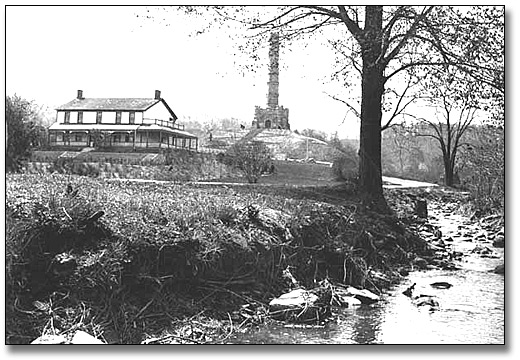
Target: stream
470, 312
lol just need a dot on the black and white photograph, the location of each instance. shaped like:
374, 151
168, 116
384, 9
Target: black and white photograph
192, 175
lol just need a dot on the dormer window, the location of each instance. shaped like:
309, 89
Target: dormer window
66, 120
98, 117
80, 117
131, 118
118, 117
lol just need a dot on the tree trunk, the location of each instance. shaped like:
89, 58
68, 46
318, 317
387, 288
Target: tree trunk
448, 172
372, 87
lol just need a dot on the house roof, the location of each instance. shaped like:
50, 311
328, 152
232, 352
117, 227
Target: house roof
109, 104
114, 104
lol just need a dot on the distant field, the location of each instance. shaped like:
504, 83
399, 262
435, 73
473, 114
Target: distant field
295, 173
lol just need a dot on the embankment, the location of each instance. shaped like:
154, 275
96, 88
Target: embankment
124, 261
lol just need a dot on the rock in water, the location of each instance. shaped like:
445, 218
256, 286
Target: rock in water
499, 241
421, 209
441, 285
500, 269
365, 296
420, 263
300, 305
426, 300
408, 292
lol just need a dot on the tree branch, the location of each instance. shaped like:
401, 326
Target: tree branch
409, 33
356, 112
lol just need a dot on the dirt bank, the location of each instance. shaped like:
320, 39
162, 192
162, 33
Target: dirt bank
127, 261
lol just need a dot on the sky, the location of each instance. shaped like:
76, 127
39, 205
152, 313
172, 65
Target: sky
111, 52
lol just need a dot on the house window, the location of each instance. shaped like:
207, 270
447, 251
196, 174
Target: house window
67, 117
78, 138
98, 117
118, 117
131, 119
117, 138
80, 117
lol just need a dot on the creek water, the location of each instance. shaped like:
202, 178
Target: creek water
470, 312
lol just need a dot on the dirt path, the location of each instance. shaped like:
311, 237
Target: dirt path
397, 183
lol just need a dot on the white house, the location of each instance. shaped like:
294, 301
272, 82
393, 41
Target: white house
119, 123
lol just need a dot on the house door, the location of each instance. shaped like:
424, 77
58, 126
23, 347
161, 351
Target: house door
268, 124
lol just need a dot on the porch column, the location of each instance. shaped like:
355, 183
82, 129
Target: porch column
160, 138
147, 136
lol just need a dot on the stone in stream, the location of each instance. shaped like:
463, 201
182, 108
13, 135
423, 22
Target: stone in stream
301, 305
420, 263
481, 250
345, 300
426, 300
500, 269
409, 290
421, 208
403, 272
499, 241
364, 295
441, 285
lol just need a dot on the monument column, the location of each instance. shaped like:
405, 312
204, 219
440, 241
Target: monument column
274, 51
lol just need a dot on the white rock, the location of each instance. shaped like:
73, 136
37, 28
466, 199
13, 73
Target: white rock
50, 340
298, 297
364, 295
82, 337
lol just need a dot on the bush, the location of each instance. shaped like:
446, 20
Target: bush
252, 158
22, 133
345, 165
483, 170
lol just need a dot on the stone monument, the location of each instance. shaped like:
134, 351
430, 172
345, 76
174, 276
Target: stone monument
274, 116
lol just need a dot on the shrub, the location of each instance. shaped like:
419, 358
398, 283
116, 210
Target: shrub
345, 165
483, 170
22, 133
252, 158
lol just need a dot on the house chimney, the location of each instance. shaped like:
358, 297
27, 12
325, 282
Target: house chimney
80, 94
157, 94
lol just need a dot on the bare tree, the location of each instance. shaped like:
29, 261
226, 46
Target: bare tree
456, 106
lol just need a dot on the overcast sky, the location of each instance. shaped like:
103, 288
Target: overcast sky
111, 52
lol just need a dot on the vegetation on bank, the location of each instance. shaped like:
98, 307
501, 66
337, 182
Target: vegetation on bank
125, 261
